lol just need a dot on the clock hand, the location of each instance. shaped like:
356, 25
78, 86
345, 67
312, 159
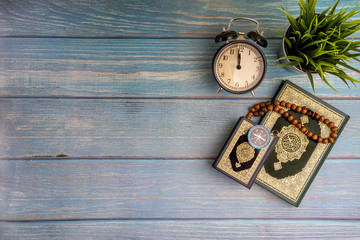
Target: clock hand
238, 59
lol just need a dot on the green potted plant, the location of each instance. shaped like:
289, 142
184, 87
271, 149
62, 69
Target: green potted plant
321, 43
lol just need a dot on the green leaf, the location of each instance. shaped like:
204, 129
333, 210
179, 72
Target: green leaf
314, 43
349, 67
304, 56
293, 58
324, 13
344, 80
293, 22
327, 64
311, 79
332, 11
345, 49
344, 75
288, 42
327, 83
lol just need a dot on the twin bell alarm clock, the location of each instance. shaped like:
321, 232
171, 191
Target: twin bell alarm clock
239, 66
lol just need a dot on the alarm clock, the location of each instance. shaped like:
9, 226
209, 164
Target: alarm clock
239, 66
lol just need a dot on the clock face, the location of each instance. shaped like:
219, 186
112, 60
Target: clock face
239, 67
259, 136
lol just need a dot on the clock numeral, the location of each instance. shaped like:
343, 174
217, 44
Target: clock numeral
225, 57
255, 59
258, 68
253, 77
249, 52
237, 84
232, 51
222, 74
246, 83
229, 80
241, 48
220, 65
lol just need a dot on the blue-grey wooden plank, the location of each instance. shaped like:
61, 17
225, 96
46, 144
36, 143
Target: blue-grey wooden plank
134, 128
147, 18
163, 189
131, 68
185, 229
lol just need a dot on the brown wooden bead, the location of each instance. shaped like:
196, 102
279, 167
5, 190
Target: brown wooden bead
270, 107
290, 118
294, 122
288, 105
333, 134
264, 109
317, 116
331, 124
303, 129
326, 121
282, 103
321, 118
334, 129
304, 110
268, 103
320, 139
286, 114
256, 114
309, 113
309, 134
331, 140
276, 102
261, 113
299, 109
314, 137
257, 106
298, 125
249, 115
276, 108
293, 107
281, 111
252, 109
325, 140
262, 104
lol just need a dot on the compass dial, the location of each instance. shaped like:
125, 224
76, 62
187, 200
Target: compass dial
259, 136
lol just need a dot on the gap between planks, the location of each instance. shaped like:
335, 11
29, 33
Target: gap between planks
298, 220
121, 158
205, 98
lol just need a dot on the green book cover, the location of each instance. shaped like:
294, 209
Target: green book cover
294, 162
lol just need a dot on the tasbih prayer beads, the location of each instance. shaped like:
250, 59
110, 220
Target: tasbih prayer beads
262, 108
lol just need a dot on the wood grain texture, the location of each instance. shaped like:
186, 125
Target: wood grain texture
145, 18
132, 68
109, 124
134, 128
185, 229
163, 189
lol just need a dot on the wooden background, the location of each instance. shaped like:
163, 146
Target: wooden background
110, 121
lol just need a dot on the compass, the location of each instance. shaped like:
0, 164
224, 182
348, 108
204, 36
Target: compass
259, 136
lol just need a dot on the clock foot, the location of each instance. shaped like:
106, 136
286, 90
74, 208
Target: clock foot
252, 92
218, 90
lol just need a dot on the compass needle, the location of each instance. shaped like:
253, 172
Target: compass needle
259, 136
